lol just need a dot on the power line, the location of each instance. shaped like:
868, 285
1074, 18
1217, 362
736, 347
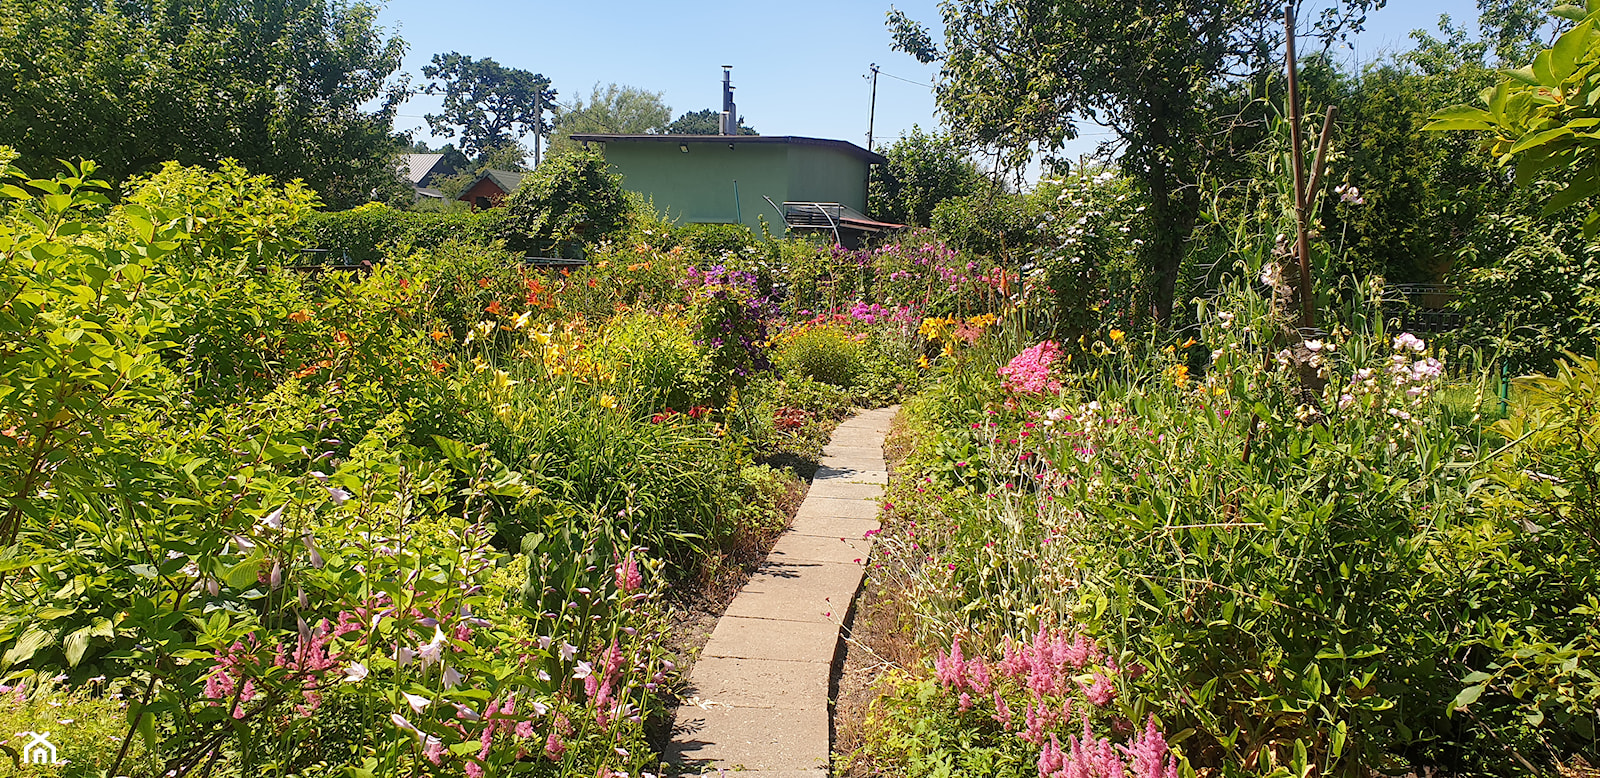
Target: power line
907, 80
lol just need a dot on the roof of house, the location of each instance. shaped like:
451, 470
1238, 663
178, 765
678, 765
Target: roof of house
845, 146
507, 180
416, 167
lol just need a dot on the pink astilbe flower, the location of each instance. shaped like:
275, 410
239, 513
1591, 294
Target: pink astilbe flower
1088, 757
1148, 754
629, 579
1029, 371
553, 747
1002, 710
1101, 692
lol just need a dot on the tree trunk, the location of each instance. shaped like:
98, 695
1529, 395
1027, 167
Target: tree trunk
1174, 209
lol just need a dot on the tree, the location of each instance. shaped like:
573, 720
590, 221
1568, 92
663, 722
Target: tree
924, 170
1020, 75
293, 89
487, 104
613, 109
571, 200
704, 122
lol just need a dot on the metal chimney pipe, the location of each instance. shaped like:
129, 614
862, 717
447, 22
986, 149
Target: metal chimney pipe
730, 115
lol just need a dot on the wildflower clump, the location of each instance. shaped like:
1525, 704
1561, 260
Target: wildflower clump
1029, 371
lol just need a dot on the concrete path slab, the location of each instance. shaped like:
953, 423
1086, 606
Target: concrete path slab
819, 592
838, 507
739, 637
757, 701
736, 739
845, 490
852, 475
794, 546
835, 528
759, 683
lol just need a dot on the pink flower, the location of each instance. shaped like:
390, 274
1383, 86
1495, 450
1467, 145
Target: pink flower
1029, 371
628, 576
1148, 754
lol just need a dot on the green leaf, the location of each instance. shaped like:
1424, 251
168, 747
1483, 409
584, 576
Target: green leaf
26, 646
244, 574
1467, 696
76, 645
1570, 12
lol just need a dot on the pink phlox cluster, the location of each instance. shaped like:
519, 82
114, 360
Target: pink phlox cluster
1148, 754
1029, 371
869, 313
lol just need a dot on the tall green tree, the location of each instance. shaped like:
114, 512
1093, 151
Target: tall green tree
1021, 75
612, 109
486, 104
924, 169
295, 89
704, 122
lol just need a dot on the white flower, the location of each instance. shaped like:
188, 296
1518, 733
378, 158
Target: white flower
338, 496
584, 670
355, 672
418, 704
452, 678
1314, 346
568, 651
400, 721
433, 650
273, 520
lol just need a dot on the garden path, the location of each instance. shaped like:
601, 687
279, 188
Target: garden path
758, 695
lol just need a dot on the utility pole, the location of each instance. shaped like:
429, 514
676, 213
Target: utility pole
872, 107
538, 122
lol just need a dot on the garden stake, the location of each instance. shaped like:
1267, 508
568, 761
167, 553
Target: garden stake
1302, 236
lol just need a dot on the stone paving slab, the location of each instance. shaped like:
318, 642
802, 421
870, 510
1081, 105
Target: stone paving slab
795, 546
817, 506
847, 451
819, 592
750, 739
739, 637
850, 474
759, 683
845, 490
835, 527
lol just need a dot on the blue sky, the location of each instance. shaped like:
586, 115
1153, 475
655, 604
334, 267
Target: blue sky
798, 67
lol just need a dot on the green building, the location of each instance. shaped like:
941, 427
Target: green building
791, 182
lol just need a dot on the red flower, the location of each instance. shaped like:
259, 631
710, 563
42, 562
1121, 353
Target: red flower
494, 307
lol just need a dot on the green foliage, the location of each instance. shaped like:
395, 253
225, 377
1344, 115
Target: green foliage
79, 722
826, 353
924, 170
286, 89
487, 104
368, 233
614, 109
999, 225
715, 241
706, 121
1151, 72
1542, 116
573, 199
655, 358
230, 216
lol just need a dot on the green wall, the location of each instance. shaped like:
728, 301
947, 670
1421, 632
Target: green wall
697, 186
824, 175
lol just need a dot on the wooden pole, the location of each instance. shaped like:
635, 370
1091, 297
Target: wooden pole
1302, 231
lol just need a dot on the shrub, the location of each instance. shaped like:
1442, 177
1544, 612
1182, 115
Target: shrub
830, 354
366, 234
572, 200
1002, 226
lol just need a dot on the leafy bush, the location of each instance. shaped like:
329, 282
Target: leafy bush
572, 200
827, 353
367, 233
999, 225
